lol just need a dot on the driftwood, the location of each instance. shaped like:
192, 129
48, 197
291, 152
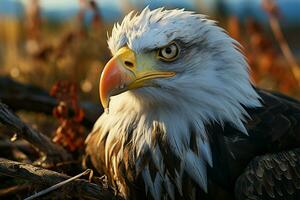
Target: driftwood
79, 188
27, 97
53, 152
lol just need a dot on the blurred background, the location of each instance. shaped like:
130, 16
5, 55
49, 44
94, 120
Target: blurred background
43, 41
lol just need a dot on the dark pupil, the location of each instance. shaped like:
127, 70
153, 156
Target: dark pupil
168, 50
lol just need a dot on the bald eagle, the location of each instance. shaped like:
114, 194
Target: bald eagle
183, 120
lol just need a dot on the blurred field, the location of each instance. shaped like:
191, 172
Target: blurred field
41, 52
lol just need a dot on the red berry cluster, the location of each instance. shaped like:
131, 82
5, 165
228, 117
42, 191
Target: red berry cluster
70, 132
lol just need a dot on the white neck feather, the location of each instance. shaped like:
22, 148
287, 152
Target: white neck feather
175, 119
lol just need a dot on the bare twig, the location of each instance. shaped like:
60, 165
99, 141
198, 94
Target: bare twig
58, 185
78, 188
53, 152
271, 8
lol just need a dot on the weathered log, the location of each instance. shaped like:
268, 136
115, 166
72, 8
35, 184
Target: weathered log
80, 188
53, 152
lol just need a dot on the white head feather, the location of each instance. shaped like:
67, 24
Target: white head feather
212, 85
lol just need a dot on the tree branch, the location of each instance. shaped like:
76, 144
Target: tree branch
13, 190
54, 152
77, 188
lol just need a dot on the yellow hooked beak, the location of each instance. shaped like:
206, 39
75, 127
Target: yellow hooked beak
123, 72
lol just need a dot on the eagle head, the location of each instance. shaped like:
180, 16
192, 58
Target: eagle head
174, 71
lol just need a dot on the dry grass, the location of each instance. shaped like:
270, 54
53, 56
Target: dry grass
47, 52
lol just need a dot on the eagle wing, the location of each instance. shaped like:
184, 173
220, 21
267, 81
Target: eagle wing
275, 174
271, 176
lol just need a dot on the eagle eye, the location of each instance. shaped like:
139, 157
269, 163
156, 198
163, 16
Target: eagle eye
169, 52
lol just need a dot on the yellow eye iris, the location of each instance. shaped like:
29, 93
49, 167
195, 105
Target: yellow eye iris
169, 53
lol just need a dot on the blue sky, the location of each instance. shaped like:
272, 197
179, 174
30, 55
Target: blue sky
111, 9
65, 4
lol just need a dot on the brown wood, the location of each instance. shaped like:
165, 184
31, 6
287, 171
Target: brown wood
54, 153
80, 188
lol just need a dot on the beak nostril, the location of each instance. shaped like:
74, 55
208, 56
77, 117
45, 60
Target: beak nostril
128, 64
